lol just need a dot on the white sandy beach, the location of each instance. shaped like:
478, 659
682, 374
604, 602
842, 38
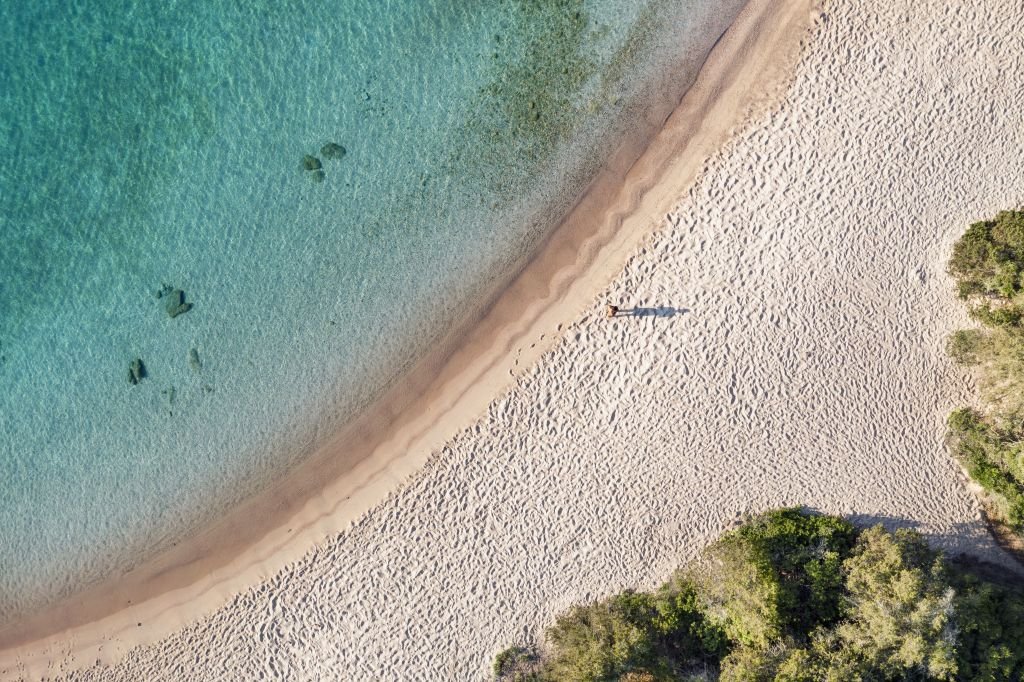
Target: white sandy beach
787, 349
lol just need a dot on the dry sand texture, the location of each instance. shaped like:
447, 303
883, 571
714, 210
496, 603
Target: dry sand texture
793, 355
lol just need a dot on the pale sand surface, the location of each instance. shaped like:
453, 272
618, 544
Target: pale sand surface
802, 364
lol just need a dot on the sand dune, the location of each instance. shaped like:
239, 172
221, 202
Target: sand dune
788, 350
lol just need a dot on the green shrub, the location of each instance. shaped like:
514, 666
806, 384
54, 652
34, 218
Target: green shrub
988, 262
657, 634
966, 346
606, 639
992, 459
975, 256
990, 629
517, 664
888, 608
747, 663
777, 576
901, 607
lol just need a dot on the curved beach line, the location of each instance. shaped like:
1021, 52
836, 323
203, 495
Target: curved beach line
744, 75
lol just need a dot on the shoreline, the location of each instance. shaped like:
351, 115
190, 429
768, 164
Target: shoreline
445, 391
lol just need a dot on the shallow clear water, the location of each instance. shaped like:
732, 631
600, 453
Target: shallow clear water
162, 143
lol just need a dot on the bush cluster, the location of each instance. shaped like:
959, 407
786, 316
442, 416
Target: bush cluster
988, 262
988, 265
793, 597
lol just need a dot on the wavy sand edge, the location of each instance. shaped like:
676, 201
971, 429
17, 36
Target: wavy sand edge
360, 466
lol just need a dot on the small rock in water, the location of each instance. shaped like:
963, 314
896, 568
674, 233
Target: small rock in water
179, 310
164, 290
193, 360
333, 150
176, 303
170, 393
136, 371
318, 176
311, 163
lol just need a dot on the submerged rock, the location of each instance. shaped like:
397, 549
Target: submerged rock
333, 150
311, 163
193, 360
136, 371
176, 303
164, 290
170, 394
318, 176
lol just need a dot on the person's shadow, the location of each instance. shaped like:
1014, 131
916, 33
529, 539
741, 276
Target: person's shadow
660, 311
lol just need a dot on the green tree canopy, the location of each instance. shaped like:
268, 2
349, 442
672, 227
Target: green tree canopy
794, 597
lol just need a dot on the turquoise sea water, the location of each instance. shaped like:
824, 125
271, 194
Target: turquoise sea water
153, 143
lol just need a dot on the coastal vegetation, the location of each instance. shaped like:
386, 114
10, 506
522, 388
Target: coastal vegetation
988, 441
791, 597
